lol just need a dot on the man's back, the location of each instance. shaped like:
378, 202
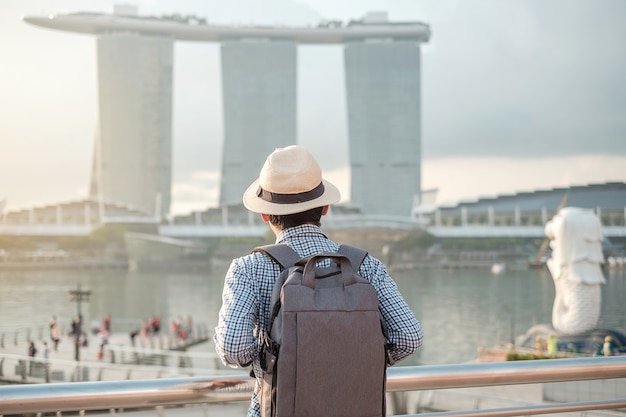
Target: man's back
291, 195
325, 352
250, 281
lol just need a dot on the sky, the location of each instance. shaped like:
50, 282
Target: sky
517, 95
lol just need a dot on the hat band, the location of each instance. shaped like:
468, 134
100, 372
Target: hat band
290, 198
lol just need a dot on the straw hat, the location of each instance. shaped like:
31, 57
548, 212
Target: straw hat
290, 182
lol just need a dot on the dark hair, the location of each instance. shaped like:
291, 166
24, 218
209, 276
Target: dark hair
312, 216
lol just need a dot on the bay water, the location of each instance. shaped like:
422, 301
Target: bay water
460, 310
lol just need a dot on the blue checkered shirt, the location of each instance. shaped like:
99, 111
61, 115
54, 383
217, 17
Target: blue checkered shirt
245, 312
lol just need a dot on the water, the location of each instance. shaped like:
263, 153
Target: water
459, 310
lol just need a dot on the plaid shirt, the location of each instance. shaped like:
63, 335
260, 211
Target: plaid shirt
248, 286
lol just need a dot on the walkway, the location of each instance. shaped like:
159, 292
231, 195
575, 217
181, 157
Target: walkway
130, 363
152, 357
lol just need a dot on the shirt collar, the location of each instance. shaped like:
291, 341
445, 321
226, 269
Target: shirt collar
304, 230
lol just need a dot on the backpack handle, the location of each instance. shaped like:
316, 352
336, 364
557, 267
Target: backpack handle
308, 274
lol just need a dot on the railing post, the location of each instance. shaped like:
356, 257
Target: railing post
399, 402
22, 367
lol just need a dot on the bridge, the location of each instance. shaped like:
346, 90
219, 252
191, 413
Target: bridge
330, 223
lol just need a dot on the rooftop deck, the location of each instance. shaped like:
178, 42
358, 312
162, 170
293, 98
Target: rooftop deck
98, 23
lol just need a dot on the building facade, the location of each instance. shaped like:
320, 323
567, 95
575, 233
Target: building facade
132, 161
259, 96
132, 158
384, 124
535, 208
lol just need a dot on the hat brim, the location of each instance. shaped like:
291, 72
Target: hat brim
255, 204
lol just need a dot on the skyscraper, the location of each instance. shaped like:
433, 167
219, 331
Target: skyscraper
132, 161
259, 93
132, 157
384, 123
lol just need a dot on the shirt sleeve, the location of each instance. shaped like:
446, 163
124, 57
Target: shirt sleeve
404, 332
235, 338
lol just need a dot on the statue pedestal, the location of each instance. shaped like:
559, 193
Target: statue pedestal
585, 344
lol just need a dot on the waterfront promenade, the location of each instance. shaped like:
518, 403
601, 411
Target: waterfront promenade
122, 355
148, 356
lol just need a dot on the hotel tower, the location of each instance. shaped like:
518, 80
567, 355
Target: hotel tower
132, 161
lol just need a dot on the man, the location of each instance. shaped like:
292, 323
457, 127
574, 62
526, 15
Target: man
291, 196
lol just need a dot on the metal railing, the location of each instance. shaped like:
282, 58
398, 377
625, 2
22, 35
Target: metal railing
21, 369
83, 396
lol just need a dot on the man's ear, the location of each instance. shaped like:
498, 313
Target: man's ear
324, 210
265, 218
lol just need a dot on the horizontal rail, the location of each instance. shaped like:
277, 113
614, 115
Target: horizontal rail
28, 370
170, 391
505, 373
531, 409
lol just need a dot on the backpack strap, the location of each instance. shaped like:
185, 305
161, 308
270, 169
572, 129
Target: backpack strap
281, 253
287, 257
356, 255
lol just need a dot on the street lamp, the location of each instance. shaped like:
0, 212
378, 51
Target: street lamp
78, 296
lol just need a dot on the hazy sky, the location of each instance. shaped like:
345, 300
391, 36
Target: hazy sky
518, 95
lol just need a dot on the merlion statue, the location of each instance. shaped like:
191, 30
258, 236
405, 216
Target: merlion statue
576, 242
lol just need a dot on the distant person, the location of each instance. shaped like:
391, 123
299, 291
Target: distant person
188, 326
46, 351
76, 334
103, 340
106, 322
133, 334
77, 324
552, 344
54, 333
607, 347
175, 327
145, 328
540, 346
32, 350
155, 323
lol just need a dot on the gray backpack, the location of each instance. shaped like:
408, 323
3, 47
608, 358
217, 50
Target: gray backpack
325, 351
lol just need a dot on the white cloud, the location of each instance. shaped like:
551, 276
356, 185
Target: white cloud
198, 190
